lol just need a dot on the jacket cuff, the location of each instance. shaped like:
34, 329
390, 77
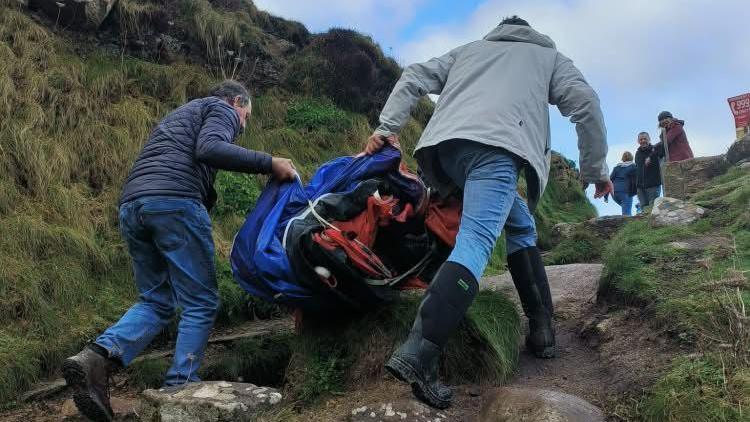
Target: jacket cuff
265, 166
384, 132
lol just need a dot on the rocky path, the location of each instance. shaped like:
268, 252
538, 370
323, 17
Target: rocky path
578, 369
601, 359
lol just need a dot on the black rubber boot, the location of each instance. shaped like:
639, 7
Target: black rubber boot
88, 374
443, 307
530, 278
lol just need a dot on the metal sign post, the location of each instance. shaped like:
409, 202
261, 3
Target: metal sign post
666, 159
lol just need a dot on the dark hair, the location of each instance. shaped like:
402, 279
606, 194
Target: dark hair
664, 115
229, 89
514, 20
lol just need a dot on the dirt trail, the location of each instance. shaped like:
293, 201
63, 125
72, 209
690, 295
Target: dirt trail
577, 369
601, 358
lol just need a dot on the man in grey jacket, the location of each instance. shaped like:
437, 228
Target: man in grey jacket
490, 121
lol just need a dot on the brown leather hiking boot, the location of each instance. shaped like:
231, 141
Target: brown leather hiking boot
88, 374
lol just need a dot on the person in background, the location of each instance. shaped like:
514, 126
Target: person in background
490, 122
164, 221
624, 179
648, 176
677, 146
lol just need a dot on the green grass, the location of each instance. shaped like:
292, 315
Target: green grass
582, 246
700, 296
698, 390
563, 202
73, 124
333, 356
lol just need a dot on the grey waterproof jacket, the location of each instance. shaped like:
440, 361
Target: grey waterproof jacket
185, 150
496, 91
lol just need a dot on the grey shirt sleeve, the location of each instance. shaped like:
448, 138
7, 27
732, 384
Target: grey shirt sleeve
575, 98
215, 146
416, 81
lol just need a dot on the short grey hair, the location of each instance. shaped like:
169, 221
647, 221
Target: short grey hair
230, 89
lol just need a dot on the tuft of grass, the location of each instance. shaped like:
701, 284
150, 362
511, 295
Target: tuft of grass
315, 114
582, 246
236, 192
698, 390
148, 373
332, 356
564, 201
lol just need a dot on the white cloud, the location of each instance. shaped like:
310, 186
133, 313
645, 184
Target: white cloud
641, 42
642, 56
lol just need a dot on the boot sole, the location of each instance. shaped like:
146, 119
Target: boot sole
75, 377
403, 371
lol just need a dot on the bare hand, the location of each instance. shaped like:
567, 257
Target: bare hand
282, 169
603, 188
375, 142
648, 161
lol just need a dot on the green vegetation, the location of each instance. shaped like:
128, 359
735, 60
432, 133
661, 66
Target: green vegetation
331, 356
75, 118
582, 246
698, 290
563, 201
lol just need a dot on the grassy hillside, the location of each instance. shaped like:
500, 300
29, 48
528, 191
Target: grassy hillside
75, 116
692, 282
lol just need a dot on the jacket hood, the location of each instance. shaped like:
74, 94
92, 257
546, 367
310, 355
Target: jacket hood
625, 164
519, 33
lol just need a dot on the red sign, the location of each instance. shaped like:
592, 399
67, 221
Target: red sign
740, 106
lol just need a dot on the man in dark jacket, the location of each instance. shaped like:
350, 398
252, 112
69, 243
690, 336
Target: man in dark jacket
164, 220
648, 176
678, 148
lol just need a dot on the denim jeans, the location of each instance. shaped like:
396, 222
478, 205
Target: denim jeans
488, 177
646, 196
169, 240
625, 201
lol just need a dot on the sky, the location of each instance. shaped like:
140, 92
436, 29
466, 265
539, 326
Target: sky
641, 56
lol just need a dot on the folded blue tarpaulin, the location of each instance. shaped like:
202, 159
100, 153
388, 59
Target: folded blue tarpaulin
259, 260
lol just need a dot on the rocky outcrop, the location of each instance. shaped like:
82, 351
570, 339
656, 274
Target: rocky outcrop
674, 212
534, 405
407, 410
77, 14
739, 151
684, 178
207, 402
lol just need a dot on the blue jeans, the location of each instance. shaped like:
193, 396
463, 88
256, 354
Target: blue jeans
488, 177
169, 240
625, 201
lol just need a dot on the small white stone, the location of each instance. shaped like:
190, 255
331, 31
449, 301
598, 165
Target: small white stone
359, 410
274, 398
260, 390
402, 415
372, 414
261, 396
